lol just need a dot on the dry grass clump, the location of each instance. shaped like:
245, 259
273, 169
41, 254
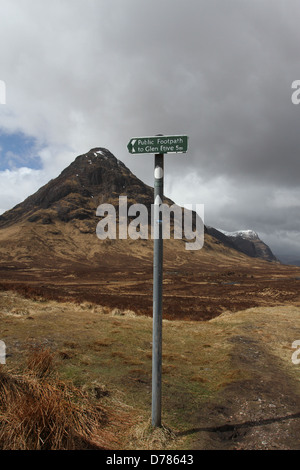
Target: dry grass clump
40, 361
145, 436
39, 413
116, 312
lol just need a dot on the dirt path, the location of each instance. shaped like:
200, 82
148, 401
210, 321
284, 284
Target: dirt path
260, 413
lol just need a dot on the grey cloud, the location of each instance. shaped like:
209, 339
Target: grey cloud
96, 73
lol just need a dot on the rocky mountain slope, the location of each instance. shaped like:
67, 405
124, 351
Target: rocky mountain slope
56, 226
246, 241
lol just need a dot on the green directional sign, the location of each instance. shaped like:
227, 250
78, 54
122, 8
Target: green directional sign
158, 144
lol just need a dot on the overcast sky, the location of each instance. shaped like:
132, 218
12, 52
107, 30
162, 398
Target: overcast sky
94, 73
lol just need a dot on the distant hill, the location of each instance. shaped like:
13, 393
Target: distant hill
246, 241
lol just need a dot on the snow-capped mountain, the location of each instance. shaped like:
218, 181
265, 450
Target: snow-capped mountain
246, 241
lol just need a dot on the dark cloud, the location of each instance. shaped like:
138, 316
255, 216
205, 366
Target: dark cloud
81, 74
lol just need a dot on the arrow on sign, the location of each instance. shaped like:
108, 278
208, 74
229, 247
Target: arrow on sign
130, 146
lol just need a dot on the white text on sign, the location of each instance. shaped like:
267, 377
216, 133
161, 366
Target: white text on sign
161, 145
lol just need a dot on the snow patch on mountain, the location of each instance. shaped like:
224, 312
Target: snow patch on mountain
246, 234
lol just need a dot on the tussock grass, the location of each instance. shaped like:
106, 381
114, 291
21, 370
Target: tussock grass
40, 361
39, 412
145, 436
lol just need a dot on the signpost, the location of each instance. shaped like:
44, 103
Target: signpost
158, 145
157, 291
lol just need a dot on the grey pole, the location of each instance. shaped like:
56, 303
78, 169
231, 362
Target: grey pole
157, 291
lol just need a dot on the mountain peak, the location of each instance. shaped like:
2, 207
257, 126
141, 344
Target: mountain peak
246, 241
93, 178
98, 154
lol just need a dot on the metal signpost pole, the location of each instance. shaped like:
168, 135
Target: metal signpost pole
157, 291
158, 145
